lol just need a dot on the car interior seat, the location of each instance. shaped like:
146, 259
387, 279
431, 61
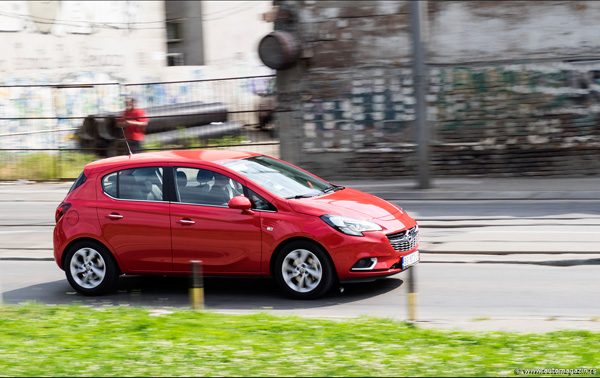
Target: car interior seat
204, 178
195, 193
153, 192
129, 188
181, 179
149, 184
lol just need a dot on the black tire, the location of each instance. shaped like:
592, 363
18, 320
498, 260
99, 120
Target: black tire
91, 269
303, 270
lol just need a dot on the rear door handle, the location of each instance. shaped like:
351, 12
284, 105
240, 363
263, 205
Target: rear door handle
114, 216
186, 221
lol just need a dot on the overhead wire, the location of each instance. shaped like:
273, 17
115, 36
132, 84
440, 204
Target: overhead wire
252, 5
83, 23
229, 9
111, 25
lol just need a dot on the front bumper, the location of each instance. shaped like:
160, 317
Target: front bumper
349, 250
374, 277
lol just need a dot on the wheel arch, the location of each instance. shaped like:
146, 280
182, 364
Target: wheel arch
87, 239
286, 242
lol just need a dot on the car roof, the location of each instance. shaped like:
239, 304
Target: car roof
175, 156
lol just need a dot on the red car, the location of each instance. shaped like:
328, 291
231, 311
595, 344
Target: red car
239, 213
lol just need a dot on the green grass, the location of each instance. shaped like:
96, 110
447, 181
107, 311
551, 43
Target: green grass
43, 166
37, 340
39, 166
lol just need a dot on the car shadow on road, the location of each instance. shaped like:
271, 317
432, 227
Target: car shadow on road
231, 293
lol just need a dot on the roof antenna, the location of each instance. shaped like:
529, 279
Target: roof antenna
126, 142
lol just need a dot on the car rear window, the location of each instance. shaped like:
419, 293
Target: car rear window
143, 184
80, 180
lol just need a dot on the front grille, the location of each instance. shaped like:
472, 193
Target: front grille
405, 240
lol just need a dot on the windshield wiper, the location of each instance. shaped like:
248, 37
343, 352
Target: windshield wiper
333, 188
301, 196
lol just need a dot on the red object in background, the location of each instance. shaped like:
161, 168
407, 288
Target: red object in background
153, 213
134, 132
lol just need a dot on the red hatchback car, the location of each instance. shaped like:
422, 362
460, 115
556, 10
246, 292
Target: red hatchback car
239, 213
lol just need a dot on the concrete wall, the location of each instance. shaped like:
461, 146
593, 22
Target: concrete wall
87, 42
66, 42
513, 88
92, 41
233, 30
56, 41
467, 31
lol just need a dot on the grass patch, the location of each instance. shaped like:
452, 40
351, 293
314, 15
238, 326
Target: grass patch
43, 166
39, 340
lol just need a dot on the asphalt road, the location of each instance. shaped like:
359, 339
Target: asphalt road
450, 294
502, 293
490, 226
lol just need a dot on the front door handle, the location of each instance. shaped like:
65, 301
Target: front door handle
186, 221
114, 216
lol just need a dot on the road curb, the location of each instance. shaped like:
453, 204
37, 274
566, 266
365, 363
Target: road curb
10, 258
558, 263
486, 196
467, 258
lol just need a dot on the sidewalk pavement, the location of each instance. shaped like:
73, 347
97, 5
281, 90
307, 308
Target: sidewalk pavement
467, 189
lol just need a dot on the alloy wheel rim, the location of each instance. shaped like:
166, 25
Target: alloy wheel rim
88, 268
302, 270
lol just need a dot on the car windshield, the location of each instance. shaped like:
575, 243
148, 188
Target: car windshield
280, 178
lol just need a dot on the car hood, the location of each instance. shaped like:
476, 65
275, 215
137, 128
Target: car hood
347, 202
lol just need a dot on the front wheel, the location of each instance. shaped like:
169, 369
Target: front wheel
303, 270
90, 269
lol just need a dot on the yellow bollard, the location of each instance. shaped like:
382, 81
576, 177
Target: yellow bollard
412, 295
197, 289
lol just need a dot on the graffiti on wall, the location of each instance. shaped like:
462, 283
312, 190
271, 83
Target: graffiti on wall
46, 116
495, 106
517, 105
356, 110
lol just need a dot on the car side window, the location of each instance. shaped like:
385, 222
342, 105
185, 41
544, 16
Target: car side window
80, 180
142, 184
109, 184
205, 187
259, 203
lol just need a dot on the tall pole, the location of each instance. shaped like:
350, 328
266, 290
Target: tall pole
419, 80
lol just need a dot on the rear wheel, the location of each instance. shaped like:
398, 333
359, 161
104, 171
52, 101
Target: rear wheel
91, 269
303, 270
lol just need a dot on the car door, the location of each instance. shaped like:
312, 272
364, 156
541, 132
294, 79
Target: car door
135, 219
203, 227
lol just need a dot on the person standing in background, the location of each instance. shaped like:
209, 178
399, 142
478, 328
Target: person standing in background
134, 122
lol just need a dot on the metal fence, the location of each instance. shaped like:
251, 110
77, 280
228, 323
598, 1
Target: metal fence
51, 131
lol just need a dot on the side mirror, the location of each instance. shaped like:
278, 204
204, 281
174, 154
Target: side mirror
241, 203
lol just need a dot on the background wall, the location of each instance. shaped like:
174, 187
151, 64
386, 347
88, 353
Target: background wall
513, 88
90, 41
467, 31
120, 42
233, 30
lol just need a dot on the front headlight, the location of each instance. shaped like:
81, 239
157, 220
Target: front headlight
350, 226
